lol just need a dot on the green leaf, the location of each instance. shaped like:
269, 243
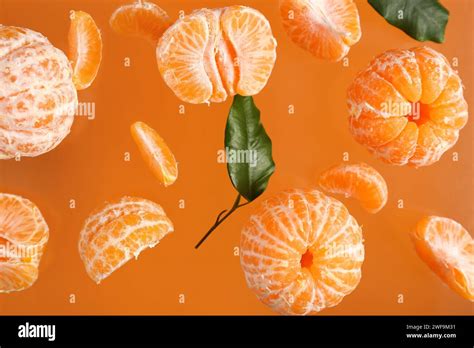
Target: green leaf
421, 19
248, 149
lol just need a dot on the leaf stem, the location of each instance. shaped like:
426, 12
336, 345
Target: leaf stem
221, 218
220, 215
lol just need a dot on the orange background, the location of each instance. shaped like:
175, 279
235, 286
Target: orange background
89, 167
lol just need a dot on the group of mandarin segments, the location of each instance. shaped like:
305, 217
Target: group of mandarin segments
301, 250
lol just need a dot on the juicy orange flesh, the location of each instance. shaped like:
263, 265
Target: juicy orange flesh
25, 232
327, 29
3, 244
419, 113
448, 249
155, 152
307, 259
142, 19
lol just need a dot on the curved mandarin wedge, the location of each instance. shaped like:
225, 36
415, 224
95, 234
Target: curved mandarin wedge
23, 238
140, 19
85, 49
325, 28
359, 181
37, 96
251, 47
376, 132
407, 107
399, 150
301, 252
210, 55
119, 231
155, 152
448, 249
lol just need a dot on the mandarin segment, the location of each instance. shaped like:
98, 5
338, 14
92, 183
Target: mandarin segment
376, 131
451, 94
155, 152
373, 96
140, 19
23, 238
450, 108
401, 149
359, 181
448, 249
301, 252
249, 36
118, 232
325, 28
85, 49
180, 56
451, 116
434, 71
211, 55
400, 69
37, 99
430, 146
407, 107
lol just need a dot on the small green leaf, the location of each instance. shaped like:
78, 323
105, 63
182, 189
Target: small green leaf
421, 19
248, 148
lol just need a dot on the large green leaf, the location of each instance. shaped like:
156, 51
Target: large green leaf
421, 19
248, 148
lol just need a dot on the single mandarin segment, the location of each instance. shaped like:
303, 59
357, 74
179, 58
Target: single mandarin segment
155, 152
301, 252
140, 19
119, 231
85, 49
37, 96
359, 181
407, 107
210, 55
325, 28
23, 238
448, 249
